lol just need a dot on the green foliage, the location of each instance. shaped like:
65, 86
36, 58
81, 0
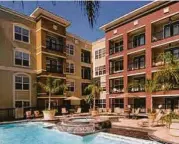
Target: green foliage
168, 118
95, 90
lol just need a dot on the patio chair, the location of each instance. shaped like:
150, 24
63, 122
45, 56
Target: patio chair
64, 111
29, 114
37, 114
78, 111
117, 110
136, 113
157, 119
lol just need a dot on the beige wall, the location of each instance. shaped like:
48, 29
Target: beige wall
78, 44
99, 44
7, 67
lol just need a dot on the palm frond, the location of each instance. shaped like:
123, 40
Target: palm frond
91, 9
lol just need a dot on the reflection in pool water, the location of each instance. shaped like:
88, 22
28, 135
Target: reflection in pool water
35, 133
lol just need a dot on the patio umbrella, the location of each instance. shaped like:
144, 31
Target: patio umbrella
73, 98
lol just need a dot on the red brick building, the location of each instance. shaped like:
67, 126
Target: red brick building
133, 42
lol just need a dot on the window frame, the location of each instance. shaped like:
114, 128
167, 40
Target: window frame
71, 86
22, 83
69, 68
68, 49
138, 37
22, 60
22, 101
22, 27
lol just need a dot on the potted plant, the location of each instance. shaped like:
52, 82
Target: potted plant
95, 90
51, 86
151, 114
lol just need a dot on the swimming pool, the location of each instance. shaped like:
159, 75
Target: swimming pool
35, 133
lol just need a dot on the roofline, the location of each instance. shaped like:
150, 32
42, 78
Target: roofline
13, 12
56, 17
99, 40
78, 37
128, 15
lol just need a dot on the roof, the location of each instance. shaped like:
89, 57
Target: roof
10, 11
98, 41
140, 11
40, 11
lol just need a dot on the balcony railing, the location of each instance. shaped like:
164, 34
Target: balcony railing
116, 89
136, 66
114, 70
160, 36
156, 62
57, 69
85, 59
136, 89
132, 45
55, 47
114, 50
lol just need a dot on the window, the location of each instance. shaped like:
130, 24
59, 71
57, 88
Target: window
116, 85
118, 102
22, 59
86, 73
118, 65
70, 68
54, 65
70, 49
20, 104
86, 56
21, 34
54, 43
171, 29
139, 62
174, 52
101, 103
139, 40
83, 91
96, 54
22, 83
71, 86
100, 53
100, 70
116, 46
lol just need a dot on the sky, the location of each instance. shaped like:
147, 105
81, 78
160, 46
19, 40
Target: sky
109, 10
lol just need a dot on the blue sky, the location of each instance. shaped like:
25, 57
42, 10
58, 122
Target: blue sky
72, 12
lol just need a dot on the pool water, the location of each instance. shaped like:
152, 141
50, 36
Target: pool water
35, 133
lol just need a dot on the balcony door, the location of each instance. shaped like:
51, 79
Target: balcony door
139, 62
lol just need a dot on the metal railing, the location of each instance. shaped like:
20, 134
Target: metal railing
55, 47
116, 49
136, 66
160, 35
157, 62
57, 69
131, 45
114, 70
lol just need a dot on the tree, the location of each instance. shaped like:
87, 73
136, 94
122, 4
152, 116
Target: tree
52, 86
168, 75
95, 90
90, 8
150, 85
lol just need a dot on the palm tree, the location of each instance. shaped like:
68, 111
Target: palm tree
95, 90
52, 86
168, 75
89, 7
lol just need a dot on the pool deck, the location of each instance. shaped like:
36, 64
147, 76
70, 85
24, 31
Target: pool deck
160, 133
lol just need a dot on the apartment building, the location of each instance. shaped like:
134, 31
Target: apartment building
35, 47
132, 43
99, 69
17, 60
78, 66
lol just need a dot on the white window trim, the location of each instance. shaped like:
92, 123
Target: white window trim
69, 49
70, 82
22, 82
14, 90
70, 62
22, 26
23, 51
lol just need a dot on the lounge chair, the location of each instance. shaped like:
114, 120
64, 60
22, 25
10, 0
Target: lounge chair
37, 114
136, 113
64, 111
29, 114
78, 111
157, 119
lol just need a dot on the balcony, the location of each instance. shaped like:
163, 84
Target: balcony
55, 44
136, 83
116, 66
116, 46
136, 38
165, 30
136, 66
86, 56
136, 62
116, 86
